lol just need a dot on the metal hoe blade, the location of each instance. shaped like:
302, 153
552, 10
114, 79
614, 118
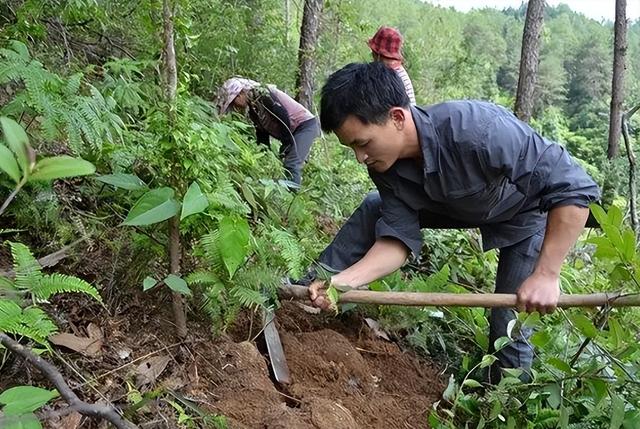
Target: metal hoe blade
274, 347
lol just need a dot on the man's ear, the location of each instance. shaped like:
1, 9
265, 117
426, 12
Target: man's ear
398, 116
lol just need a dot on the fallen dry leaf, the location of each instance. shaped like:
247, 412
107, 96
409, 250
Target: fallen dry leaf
149, 370
88, 346
375, 327
70, 421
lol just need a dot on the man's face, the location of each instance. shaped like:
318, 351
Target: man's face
376, 146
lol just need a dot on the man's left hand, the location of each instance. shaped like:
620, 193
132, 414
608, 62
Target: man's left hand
539, 292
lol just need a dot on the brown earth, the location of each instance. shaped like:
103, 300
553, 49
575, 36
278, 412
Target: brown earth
342, 375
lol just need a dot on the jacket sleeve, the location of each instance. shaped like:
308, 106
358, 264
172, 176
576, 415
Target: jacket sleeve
279, 115
539, 165
397, 220
262, 137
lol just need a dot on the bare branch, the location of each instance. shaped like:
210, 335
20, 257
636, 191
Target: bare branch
107, 411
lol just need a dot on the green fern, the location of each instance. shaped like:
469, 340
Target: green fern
226, 196
547, 418
31, 322
209, 243
62, 283
206, 278
290, 250
64, 109
248, 297
29, 277
27, 269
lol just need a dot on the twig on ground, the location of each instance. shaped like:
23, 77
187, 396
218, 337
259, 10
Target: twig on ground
107, 411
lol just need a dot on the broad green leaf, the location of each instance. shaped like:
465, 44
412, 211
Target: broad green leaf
598, 241
532, 320
615, 216
613, 234
21, 49
234, 242
560, 364
153, 207
606, 252
22, 421
500, 343
177, 284
513, 372
8, 163
194, 201
25, 399
598, 389
148, 283
617, 411
599, 214
248, 195
130, 182
17, 141
496, 409
554, 398
57, 167
629, 239
631, 419
487, 360
565, 413
584, 325
616, 333
540, 339
470, 382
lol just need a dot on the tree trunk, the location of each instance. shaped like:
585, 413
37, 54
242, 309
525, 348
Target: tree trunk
175, 257
287, 20
529, 59
309, 32
170, 77
617, 82
633, 212
170, 73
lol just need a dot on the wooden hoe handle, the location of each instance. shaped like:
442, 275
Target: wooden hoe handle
487, 300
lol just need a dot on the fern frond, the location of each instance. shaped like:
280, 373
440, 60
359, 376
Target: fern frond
290, 250
32, 323
209, 243
213, 303
259, 277
226, 196
73, 84
38, 323
27, 269
7, 289
206, 278
61, 283
547, 418
247, 297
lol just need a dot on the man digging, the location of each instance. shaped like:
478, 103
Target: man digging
461, 163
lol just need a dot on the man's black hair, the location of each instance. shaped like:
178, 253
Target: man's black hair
366, 91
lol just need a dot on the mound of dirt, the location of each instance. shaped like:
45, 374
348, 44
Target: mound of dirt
342, 377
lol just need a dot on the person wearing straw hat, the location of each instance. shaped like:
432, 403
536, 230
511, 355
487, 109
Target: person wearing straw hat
386, 47
274, 114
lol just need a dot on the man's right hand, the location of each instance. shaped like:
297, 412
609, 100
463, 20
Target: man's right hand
318, 295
